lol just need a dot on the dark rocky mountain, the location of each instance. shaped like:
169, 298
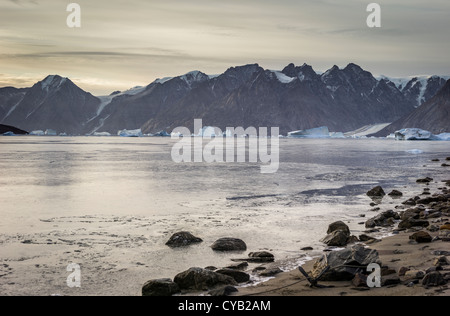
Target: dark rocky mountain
54, 103
433, 116
5, 129
295, 98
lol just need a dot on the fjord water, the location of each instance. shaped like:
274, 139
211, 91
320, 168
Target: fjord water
110, 204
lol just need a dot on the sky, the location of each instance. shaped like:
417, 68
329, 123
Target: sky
126, 43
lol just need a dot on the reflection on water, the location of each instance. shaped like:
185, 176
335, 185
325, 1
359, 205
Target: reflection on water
110, 204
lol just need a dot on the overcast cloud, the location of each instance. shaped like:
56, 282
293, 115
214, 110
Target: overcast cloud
122, 44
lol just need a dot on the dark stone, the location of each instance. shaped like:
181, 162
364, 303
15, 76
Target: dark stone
261, 256
307, 249
240, 266
421, 237
360, 280
410, 222
238, 276
396, 193
182, 239
403, 271
410, 202
337, 238
201, 279
433, 279
344, 264
229, 244
376, 192
160, 287
425, 180
338, 226
384, 219
223, 291
390, 280
270, 272
365, 238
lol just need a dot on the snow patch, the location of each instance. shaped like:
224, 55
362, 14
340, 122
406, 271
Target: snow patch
283, 78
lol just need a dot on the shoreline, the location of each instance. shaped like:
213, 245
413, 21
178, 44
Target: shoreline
396, 252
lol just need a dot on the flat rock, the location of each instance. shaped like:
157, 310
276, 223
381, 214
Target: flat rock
433, 279
395, 193
410, 222
238, 276
337, 238
223, 291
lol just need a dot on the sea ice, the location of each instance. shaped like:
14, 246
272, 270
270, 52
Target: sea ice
444, 136
130, 133
37, 133
101, 134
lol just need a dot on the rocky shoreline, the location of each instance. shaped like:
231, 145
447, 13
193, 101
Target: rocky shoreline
413, 260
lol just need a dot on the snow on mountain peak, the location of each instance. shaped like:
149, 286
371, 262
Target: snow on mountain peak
52, 81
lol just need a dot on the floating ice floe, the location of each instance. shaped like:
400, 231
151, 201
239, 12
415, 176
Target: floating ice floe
162, 134
101, 134
50, 132
444, 136
130, 133
319, 132
415, 151
9, 134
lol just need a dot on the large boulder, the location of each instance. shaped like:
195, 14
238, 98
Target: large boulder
261, 256
160, 287
337, 238
376, 192
433, 279
338, 226
384, 219
411, 222
229, 244
198, 279
344, 264
421, 237
183, 239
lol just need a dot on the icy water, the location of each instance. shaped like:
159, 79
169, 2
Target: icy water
110, 204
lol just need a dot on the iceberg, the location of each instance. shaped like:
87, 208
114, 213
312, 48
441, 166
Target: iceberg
337, 135
9, 134
444, 136
319, 132
130, 133
37, 133
414, 134
50, 132
162, 134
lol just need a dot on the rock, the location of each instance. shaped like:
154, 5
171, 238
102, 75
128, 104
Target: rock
240, 266
441, 261
403, 271
395, 193
425, 180
223, 291
365, 238
270, 272
440, 253
376, 192
445, 227
338, 226
337, 238
433, 228
413, 213
448, 158
390, 280
421, 237
198, 279
433, 279
344, 264
360, 280
229, 244
238, 276
410, 202
211, 268
445, 165
182, 239
414, 275
307, 249
262, 256
435, 160
384, 219
160, 287
352, 239
410, 222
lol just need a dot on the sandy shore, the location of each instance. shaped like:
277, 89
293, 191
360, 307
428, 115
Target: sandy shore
395, 252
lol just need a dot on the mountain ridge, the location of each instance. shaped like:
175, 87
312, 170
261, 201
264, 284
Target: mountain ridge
294, 98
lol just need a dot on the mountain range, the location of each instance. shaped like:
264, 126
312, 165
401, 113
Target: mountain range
295, 98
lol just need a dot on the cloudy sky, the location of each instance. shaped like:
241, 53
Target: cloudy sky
125, 43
